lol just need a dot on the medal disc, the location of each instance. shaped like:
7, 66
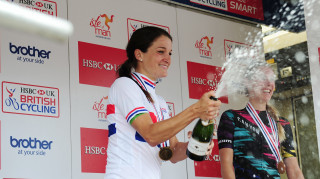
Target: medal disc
281, 167
165, 153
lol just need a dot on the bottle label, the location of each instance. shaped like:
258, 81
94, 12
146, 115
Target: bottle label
205, 123
198, 148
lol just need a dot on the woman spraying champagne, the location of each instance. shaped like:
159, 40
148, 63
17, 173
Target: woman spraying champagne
141, 133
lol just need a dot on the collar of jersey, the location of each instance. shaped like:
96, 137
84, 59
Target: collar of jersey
144, 81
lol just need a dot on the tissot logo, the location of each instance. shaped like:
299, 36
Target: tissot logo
94, 144
98, 64
29, 54
31, 146
101, 25
133, 25
205, 46
212, 161
28, 99
44, 6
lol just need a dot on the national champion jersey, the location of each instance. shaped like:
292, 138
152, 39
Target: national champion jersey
129, 155
252, 157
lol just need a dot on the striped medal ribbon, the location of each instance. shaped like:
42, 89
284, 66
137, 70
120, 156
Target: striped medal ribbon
273, 142
165, 152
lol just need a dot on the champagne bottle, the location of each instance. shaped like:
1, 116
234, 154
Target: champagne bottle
201, 137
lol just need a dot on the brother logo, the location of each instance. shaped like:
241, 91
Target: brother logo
30, 143
31, 51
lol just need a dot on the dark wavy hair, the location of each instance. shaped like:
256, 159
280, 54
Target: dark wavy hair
141, 39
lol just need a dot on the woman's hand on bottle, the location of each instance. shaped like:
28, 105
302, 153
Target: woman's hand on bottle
206, 108
211, 145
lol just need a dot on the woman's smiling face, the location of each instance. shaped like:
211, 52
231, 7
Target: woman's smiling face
154, 63
263, 84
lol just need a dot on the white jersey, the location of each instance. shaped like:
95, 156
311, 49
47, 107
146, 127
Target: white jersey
129, 155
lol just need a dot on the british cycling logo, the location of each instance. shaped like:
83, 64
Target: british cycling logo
133, 25
205, 47
31, 146
43, 6
100, 107
101, 25
30, 54
28, 99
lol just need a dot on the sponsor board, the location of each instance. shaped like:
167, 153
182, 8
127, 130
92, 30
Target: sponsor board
133, 25
100, 107
212, 161
98, 64
248, 8
26, 99
29, 54
94, 144
231, 46
101, 25
31, 146
203, 78
204, 45
43, 6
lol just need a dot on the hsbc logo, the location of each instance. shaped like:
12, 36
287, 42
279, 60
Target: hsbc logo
94, 144
215, 158
97, 61
43, 6
99, 65
92, 150
201, 81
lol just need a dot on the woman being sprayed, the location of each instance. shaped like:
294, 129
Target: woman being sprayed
254, 142
141, 134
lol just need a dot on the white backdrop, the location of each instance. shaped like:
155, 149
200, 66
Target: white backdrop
81, 72
22, 66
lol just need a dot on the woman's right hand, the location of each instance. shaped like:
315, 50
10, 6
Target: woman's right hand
207, 109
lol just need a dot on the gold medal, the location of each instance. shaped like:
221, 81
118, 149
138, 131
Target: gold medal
281, 167
165, 153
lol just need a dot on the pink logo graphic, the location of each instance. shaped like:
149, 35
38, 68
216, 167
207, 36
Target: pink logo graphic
94, 144
18, 98
43, 6
203, 78
101, 26
133, 25
204, 46
172, 111
98, 64
231, 46
101, 108
212, 161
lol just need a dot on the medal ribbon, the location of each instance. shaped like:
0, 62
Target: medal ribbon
273, 142
142, 82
